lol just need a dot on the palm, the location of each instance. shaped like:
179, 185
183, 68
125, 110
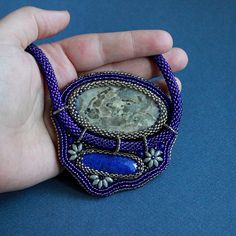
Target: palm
16, 81
27, 146
27, 139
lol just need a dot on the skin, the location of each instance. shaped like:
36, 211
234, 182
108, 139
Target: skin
28, 151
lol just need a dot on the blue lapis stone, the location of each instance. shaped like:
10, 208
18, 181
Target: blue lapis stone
110, 163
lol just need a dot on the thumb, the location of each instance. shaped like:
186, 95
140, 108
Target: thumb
28, 24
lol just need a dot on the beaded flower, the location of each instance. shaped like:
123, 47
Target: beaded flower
76, 149
101, 181
153, 157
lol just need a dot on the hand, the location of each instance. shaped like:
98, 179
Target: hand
27, 139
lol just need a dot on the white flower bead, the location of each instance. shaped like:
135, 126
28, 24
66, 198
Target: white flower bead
152, 157
76, 149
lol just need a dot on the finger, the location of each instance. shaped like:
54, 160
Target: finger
145, 67
28, 24
162, 85
90, 51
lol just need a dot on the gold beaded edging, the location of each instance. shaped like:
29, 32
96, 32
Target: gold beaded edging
71, 105
87, 170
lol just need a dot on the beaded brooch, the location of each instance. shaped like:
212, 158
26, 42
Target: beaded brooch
115, 130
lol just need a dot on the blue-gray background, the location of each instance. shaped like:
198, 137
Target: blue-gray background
196, 195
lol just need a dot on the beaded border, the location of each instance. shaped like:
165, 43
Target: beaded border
121, 184
71, 105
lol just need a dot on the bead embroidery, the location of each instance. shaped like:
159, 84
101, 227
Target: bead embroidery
77, 137
74, 151
153, 157
111, 172
72, 105
101, 181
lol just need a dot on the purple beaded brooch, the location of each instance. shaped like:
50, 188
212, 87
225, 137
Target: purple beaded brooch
115, 130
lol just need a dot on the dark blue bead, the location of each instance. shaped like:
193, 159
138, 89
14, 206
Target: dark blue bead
140, 153
110, 163
160, 146
71, 140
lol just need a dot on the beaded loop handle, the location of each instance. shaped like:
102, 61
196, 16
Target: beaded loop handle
173, 90
49, 74
55, 94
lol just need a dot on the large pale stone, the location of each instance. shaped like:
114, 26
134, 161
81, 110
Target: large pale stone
117, 108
